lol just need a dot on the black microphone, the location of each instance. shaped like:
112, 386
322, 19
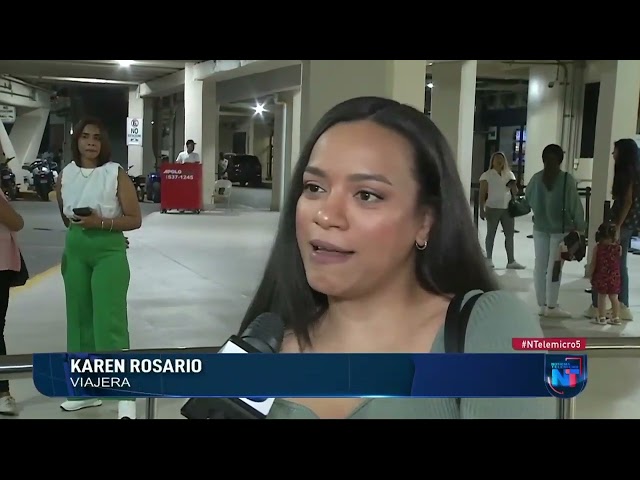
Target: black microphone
263, 335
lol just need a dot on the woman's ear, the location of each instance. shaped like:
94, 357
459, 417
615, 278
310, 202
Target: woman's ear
422, 235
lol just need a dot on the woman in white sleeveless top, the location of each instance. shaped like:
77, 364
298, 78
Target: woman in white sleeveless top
94, 264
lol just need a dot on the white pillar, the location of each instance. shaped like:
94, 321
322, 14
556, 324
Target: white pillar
136, 110
617, 118
295, 135
201, 125
326, 83
453, 103
544, 116
280, 150
148, 152
25, 138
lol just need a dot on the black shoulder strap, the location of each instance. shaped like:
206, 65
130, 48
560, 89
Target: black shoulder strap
455, 324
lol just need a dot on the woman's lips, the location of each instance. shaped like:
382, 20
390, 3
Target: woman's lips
328, 253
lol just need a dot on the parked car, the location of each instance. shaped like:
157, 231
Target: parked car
244, 169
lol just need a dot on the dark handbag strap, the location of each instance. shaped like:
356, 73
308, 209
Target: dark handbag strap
455, 324
564, 200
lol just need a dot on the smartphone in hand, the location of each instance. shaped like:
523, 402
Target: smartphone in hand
82, 212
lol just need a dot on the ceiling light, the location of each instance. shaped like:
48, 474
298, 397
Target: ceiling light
125, 63
430, 85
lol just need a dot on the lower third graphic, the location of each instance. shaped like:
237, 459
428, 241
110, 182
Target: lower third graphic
565, 376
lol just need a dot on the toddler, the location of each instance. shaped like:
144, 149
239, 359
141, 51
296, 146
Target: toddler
604, 273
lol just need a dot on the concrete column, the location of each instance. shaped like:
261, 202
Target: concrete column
179, 127
453, 102
201, 125
148, 151
136, 110
544, 117
25, 138
295, 135
617, 118
325, 83
280, 149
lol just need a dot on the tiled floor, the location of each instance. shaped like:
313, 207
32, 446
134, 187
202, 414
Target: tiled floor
191, 281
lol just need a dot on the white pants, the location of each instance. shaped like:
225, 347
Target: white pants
547, 250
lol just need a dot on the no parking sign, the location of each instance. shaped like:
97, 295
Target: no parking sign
134, 131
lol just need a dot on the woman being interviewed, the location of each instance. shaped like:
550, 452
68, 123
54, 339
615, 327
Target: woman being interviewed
94, 264
364, 262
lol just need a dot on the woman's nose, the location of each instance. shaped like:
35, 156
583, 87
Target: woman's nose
331, 213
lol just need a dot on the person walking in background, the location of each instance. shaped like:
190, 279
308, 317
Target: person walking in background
95, 268
10, 223
497, 185
604, 272
625, 215
557, 209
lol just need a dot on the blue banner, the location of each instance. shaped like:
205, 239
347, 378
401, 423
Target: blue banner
309, 375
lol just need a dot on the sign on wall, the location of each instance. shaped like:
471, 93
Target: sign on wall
7, 114
134, 131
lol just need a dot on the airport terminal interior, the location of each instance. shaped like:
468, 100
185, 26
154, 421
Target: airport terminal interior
193, 275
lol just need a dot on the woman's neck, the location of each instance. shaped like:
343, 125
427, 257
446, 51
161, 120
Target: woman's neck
88, 163
385, 320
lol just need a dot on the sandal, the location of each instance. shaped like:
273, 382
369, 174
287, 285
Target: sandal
599, 321
614, 321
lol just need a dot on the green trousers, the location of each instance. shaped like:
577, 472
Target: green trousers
96, 276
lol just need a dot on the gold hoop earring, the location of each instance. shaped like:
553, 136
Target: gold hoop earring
421, 247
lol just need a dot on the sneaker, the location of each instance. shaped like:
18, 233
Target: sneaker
490, 263
625, 313
8, 406
542, 311
556, 312
127, 410
515, 266
75, 405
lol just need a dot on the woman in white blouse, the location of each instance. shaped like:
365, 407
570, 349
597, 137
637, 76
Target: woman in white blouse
496, 187
97, 203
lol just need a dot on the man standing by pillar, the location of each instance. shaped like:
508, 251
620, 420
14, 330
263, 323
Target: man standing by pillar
188, 155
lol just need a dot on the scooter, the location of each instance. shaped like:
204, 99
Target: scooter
153, 181
139, 182
8, 180
43, 180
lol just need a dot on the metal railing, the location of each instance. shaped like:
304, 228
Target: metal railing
14, 367
628, 346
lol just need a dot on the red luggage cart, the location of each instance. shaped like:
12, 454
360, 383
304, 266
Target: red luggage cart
181, 187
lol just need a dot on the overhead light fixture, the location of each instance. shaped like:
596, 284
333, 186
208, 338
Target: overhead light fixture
125, 63
88, 80
259, 108
430, 85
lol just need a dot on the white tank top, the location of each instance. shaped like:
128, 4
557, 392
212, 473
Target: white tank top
96, 188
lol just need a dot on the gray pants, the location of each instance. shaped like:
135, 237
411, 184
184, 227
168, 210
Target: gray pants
495, 216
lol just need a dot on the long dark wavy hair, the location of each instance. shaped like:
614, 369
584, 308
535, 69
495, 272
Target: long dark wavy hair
452, 263
627, 167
